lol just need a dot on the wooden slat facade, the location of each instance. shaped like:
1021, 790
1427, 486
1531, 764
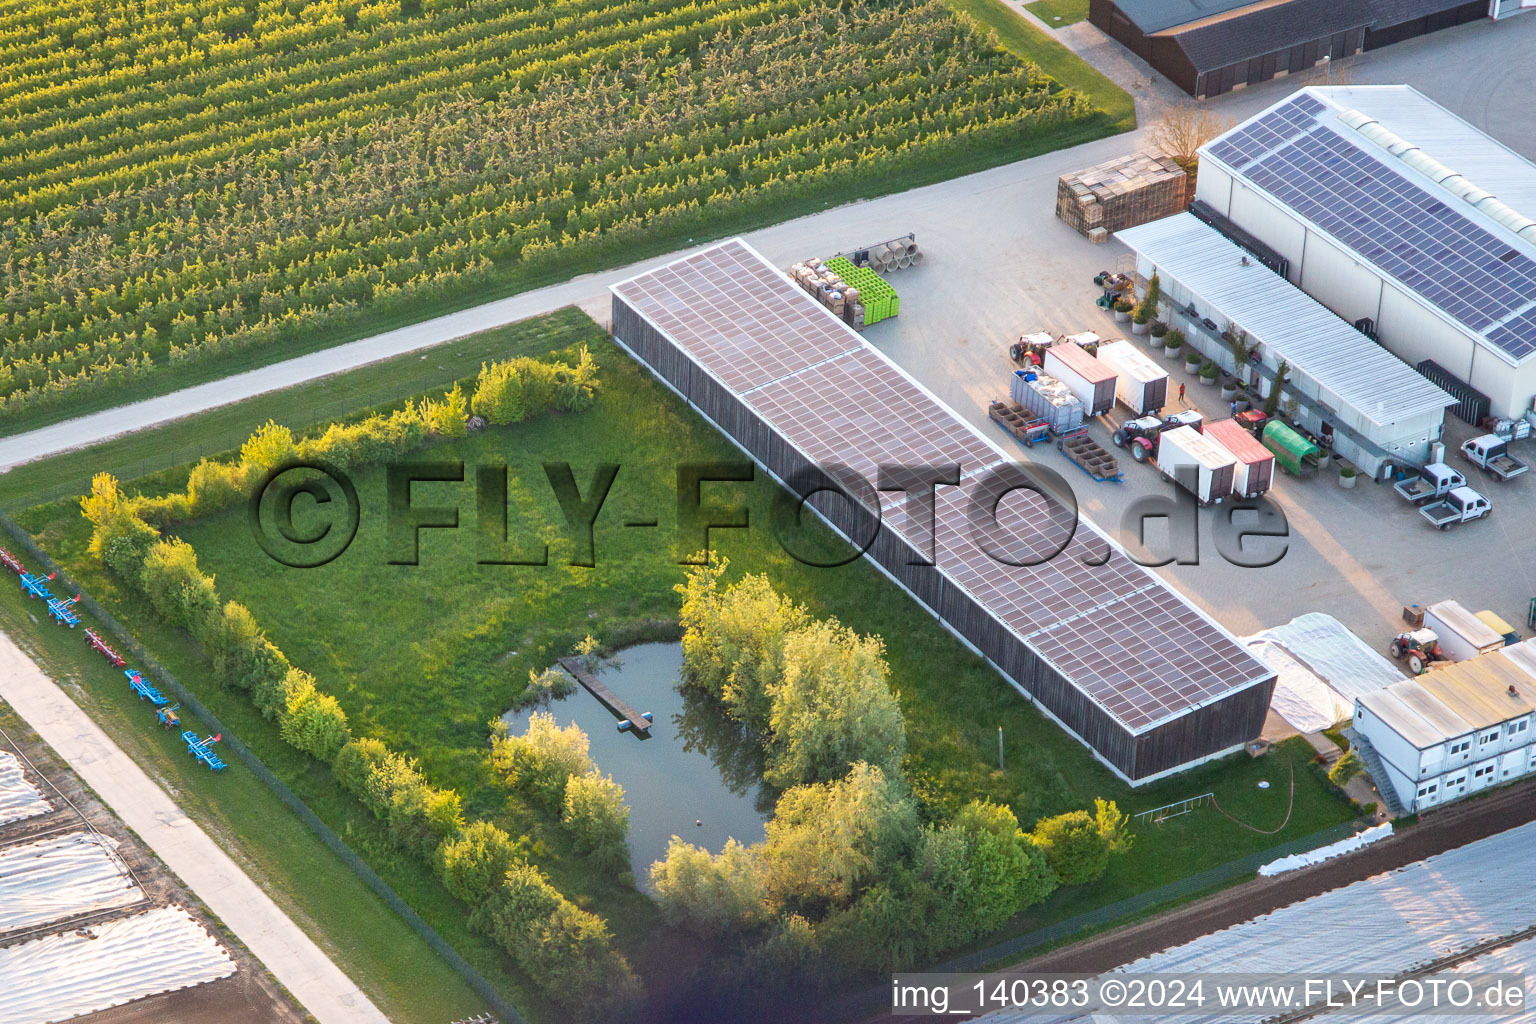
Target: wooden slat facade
1189, 738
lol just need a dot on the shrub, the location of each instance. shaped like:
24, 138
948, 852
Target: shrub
499, 394
1347, 472
179, 591
163, 510
312, 721
120, 539
1078, 845
1147, 309
474, 862
576, 387
538, 763
1159, 329
1141, 316
449, 417
1173, 340
214, 486
269, 447
826, 842
354, 768
597, 819
544, 688
1209, 370
832, 707
733, 640
1346, 768
422, 817
1006, 870
1123, 305
712, 896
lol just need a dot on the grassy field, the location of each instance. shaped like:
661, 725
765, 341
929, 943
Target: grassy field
1059, 13
423, 656
370, 167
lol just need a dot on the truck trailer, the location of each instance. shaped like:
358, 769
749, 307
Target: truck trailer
1140, 384
1462, 634
1255, 463
1186, 453
1091, 381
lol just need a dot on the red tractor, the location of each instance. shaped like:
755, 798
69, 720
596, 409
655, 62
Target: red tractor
1420, 647
1140, 436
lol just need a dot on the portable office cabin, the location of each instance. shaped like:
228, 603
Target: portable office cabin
1140, 384
1462, 634
1255, 463
1187, 456
1091, 381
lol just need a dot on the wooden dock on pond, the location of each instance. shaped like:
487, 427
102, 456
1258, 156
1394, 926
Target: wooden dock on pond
611, 700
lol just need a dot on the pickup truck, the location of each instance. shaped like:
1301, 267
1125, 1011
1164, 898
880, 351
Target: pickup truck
1435, 480
1491, 452
1461, 505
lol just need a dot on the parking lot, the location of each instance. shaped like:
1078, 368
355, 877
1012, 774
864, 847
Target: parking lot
999, 264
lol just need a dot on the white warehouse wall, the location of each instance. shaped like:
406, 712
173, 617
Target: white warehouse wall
1214, 186
1267, 220
1333, 277
1413, 334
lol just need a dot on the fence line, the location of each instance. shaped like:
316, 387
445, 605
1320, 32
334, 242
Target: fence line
483, 988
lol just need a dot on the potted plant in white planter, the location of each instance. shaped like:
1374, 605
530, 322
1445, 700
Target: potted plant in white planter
1123, 309
1139, 321
1347, 476
1193, 360
1173, 342
1156, 332
1228, 389
1209, 371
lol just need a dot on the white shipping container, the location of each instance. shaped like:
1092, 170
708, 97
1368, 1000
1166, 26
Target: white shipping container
1462, 634
1090, 380
1212, 467
1140, 384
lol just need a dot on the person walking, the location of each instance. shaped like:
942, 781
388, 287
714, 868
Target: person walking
1181, 392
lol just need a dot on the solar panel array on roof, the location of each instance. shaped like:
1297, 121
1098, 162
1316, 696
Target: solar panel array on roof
1109, 626
1243, 146
1413, 232
746, 328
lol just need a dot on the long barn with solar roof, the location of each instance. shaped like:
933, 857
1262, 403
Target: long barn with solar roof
1400, 217
1146, 680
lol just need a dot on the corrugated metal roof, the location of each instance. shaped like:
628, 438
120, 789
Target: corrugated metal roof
1216, 42
1405, 111
1243, 445
1402, 719
1485, 690
1447, 724
1473, 629
1523, 654
1352, 371
1154, 15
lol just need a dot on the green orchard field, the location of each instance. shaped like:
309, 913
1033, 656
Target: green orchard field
193, 187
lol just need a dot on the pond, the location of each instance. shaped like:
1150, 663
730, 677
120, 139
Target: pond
694, 766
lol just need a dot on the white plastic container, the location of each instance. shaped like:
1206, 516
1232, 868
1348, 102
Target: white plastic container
1141, 385
1210, 467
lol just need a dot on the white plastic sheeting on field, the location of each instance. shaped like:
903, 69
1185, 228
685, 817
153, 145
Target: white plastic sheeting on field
1322, 853
1301, 697
1386, 924
1322, 668
64, 976
18, 798
1519, 958
61, 877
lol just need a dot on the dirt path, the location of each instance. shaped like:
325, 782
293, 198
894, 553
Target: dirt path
207, 871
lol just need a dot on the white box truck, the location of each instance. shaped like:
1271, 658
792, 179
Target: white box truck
1462, 634
1090, 380
1140, 384
1185, 452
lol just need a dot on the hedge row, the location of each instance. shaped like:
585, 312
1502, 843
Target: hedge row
568, 952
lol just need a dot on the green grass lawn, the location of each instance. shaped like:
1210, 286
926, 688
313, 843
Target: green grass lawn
422, 656
1025, 40
1059, 13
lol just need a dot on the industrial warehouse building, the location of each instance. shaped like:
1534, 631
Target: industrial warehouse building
1374, 408
1397, 215
1454, 731
1122, 661
1208, 47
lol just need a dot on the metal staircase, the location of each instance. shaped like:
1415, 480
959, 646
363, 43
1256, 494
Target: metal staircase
1378, 773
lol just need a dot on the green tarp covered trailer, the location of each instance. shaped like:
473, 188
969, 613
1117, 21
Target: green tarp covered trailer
1293, 453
